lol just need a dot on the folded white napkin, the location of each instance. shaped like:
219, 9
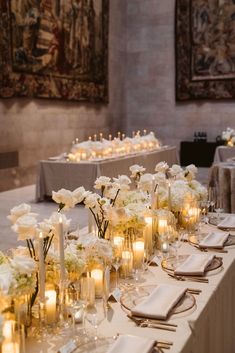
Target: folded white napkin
159, 303
195, 264
214, 240
228, 222
129, 343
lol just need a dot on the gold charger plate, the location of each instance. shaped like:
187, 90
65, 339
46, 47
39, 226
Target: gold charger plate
171, 263
135, 296
193, 239
101, 345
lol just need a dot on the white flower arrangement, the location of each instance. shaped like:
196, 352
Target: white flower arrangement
229, 136
17, 275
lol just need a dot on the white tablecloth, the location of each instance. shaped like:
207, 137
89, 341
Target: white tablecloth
223, 175
222, 153
54, 175
207, 328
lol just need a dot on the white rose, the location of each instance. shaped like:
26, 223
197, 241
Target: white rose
122, 182
23, 265
79, 194
46, 228
191, 169
6, 277
64, 197
20, 251
91, 200
161, 167
145, 182
136, 169
175, 169
19, 211
102, 182
25, 226
160, 178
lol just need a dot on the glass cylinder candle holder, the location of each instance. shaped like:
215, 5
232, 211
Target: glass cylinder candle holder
97, 273
148, 234
51, 304
13, 338
88, 290
126, 269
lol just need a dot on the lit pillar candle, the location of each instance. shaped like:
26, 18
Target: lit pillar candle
10, 347
95, 137
50, 306
118, 243
110, 137
148, 234
61, 250
162, 226
119, 135
97, 274
41, 268
8, 329
127, 263
138, 253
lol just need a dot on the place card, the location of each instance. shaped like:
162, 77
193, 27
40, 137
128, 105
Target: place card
155, 261
115, 295
68, 347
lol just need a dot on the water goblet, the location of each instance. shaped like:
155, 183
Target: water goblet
116, 263
177, 242
94, 315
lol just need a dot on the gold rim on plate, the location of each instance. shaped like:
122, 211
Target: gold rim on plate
229, 242
135, 296
169, 263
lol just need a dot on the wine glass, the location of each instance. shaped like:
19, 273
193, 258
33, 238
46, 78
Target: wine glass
94, 315
116, 263
218, 208
176, 244
212, 196
75, 306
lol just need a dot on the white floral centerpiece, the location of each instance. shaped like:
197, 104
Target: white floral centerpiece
229, 136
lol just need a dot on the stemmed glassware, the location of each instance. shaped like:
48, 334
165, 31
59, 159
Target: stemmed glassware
94, 315
116, 263
74, 305
212, 196
177, 242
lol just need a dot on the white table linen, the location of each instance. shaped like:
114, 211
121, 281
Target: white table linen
57, 174
222, 153
208, 328
214, 240
130, 343
195, 264
160, 302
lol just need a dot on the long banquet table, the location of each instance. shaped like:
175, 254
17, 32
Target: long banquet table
207, 328
57, 174
223, 175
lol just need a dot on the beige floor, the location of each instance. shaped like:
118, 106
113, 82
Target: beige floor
78, 215
9, 199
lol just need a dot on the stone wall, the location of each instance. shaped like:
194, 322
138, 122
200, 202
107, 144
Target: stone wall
150, 79
37, 129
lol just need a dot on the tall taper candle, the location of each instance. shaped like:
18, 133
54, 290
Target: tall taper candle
41, 268
61, 249
169, 195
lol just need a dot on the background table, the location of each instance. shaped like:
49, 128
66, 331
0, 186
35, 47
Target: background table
54, 175
222, 153
207, 328
200, 153
222, 175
